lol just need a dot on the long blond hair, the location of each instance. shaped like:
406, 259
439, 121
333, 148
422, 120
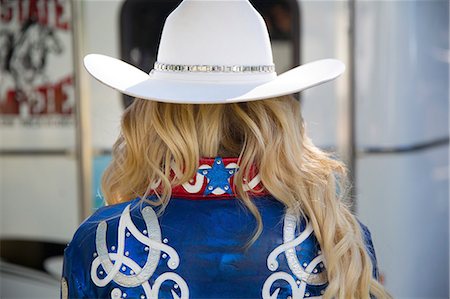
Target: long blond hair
267, 133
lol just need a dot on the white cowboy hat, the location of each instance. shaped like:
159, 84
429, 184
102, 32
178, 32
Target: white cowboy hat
212, 51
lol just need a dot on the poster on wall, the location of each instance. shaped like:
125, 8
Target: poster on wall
37, 99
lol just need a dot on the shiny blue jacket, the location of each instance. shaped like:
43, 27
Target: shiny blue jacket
194, 249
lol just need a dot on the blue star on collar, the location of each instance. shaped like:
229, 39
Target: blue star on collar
218, 176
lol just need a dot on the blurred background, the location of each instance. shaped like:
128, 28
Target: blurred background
386, 117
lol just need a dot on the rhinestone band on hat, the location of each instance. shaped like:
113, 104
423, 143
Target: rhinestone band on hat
214, 68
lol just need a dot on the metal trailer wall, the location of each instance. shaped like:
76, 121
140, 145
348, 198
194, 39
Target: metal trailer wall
397, 85
40, 166
402, 74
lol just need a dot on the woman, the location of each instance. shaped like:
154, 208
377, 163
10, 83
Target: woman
214, 190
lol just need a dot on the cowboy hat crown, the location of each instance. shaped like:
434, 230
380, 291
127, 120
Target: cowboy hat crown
215, 32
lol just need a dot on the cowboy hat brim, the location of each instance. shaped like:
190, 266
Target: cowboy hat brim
132, 81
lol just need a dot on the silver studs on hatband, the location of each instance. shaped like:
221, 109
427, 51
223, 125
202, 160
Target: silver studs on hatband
214, 68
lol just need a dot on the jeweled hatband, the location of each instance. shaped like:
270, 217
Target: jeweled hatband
214, 68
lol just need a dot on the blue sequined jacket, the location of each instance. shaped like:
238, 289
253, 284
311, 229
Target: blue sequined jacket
195, 248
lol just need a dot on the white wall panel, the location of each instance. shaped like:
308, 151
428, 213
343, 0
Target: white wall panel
38, 198
402, 72
323, 26
101, 35
403, 198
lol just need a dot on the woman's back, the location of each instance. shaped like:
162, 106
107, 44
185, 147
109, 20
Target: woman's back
195, 249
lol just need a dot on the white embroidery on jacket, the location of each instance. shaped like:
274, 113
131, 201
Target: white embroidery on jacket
305, 274
138, 276
64, 289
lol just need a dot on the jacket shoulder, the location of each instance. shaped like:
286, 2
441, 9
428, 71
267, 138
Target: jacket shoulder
87, 229
88, 243
367, 237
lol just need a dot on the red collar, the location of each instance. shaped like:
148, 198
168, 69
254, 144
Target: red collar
215, 180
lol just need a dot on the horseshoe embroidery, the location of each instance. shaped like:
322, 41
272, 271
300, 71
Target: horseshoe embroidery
138, 276
306, 273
